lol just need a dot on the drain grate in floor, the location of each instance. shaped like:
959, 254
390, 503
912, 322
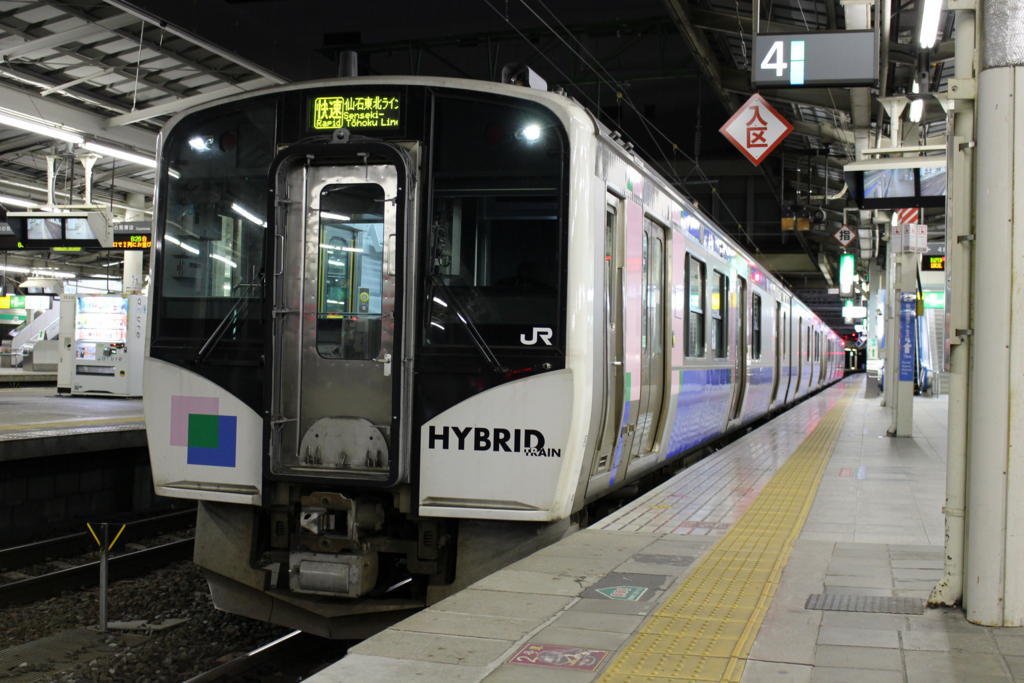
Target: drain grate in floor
864, 603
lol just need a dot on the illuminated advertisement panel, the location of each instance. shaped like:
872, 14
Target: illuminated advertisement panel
101, 319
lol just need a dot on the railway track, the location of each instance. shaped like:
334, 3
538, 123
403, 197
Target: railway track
80, 543
291, 657
85, 574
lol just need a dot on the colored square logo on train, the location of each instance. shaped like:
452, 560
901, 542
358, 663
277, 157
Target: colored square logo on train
210, 438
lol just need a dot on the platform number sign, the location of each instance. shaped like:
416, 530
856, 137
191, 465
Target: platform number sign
794, 60
775, 60
845, 235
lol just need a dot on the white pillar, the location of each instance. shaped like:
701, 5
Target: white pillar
993, 581
899, 393
959, 226
131, 274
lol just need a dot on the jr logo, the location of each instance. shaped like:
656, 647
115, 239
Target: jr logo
543, 334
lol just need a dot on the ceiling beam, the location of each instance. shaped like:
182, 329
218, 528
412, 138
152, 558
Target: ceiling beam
53, 40
182, 103
75, 118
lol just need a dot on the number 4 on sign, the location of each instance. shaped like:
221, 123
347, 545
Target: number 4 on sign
776, 58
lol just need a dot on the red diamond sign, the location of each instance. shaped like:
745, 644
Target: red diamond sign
756, 129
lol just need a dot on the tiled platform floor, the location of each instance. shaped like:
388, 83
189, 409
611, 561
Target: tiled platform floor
875, 528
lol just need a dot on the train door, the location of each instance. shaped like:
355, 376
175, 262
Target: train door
614, 389
334, 319
777, 354
652, 339
740, 391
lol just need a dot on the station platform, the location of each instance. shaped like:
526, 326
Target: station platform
36, 422
804, 551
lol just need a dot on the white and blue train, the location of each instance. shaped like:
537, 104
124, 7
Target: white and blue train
405, 328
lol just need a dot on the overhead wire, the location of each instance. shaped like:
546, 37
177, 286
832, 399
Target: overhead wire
608, 79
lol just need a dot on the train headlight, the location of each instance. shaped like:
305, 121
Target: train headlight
200, 143
530, 133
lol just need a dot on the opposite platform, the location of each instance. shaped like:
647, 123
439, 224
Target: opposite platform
35, 422
691, 582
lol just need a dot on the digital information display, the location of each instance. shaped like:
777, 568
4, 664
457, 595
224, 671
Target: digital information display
128, 241
357, 111
789, 60
929, 262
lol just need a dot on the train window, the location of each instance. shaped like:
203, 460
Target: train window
645, 288
351, 269
695, 279
654, 272
719, 297
755, 327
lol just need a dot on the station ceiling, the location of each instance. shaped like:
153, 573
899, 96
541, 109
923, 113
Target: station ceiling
667, 73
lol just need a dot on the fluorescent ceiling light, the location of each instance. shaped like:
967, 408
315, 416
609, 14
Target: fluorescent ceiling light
334, 216
42, 190
59, 274
50, 130
174, 240
356, 250
14, 269
248, 215
225, 260
14, 201
120, 154
916, 105
929, 23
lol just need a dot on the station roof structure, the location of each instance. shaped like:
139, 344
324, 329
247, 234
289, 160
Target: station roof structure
667, 73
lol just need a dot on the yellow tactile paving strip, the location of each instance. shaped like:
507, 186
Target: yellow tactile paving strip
68, 424
705, 630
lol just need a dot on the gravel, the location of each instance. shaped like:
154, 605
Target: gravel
207, 637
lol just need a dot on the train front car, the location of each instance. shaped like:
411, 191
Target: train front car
359, 324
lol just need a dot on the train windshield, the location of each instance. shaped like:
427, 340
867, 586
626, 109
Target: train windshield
209, 288
496, 237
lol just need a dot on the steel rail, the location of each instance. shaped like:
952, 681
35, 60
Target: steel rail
85, 575
297, 652
79, 543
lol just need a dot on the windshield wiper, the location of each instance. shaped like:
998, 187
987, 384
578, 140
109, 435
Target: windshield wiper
238, 309
478, 340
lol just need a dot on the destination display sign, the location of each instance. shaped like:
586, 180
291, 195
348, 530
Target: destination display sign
357, 111
131, 241
790, 60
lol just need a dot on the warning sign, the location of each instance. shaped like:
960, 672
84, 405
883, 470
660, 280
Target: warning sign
756, 129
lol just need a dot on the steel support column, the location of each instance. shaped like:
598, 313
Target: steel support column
993, 582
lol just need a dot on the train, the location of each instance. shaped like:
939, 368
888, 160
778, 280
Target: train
404, 330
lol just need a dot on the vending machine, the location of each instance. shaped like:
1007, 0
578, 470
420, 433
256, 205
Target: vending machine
109, 344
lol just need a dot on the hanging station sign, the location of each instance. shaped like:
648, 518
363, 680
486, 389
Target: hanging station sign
793, 60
